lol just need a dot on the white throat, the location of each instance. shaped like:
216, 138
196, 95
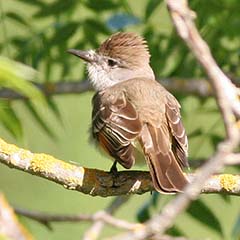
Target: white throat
99, 77
102, 76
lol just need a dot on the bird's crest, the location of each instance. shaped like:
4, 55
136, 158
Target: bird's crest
127, 47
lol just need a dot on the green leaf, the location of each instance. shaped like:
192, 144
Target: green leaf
236, 229
195, 133
201, 212
154, 198
143, 213
33, 2
215, 139
63, 32
101, 5
54, 108
96, 26
40, 120
151, 6
17, 18
175, 231
55, 8
10, 120
14, 75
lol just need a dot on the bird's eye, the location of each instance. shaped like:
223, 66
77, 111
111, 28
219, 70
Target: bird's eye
111, 63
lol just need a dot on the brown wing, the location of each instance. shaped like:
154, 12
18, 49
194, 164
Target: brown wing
165, 148
165, 171
115, 125
179, 137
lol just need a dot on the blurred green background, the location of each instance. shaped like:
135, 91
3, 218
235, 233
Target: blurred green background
37, 34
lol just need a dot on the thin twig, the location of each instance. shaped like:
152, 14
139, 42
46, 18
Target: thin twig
227, 98
226, 93
233, 159
160, 223
103, 216
10, 227
99, 220
94, 231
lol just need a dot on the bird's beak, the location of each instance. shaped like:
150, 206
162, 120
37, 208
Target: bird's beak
87, 56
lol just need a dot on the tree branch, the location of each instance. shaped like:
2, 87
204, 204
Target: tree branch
99, 219
228, 101
97, 182
94, 231
10, 228
103, 216
49, 89
199, 87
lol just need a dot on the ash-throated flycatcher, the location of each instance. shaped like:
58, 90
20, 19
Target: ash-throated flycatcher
130, 109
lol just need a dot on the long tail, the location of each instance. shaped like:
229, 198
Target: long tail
165, 170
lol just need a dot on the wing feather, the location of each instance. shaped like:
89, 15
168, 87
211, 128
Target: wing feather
115, 126
179, 137
165, 171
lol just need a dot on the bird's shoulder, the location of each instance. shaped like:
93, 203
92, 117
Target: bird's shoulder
112, 103
148, 97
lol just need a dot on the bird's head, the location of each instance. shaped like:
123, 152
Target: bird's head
121, 57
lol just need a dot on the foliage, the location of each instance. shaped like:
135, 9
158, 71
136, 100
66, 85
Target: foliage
236, 229
38, 34
17, 76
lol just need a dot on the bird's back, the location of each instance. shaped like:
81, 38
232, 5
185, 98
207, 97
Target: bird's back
148, 99
162, 136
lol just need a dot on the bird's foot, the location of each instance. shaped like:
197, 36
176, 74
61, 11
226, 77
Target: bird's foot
115, 175
113, 169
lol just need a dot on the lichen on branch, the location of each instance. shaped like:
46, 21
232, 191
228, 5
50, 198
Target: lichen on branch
97, 182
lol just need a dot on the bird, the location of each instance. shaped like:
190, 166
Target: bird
133, 114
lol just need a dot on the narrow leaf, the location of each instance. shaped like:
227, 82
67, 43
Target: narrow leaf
16, 17
10, 120
154, 198
64, 32
55, 8
151, 6
15, 76
39, 119
175, 231
143, 214
201, 212
101, 5
236, 229
215, 138
97, 26
33, 2
53, 106
195, 133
